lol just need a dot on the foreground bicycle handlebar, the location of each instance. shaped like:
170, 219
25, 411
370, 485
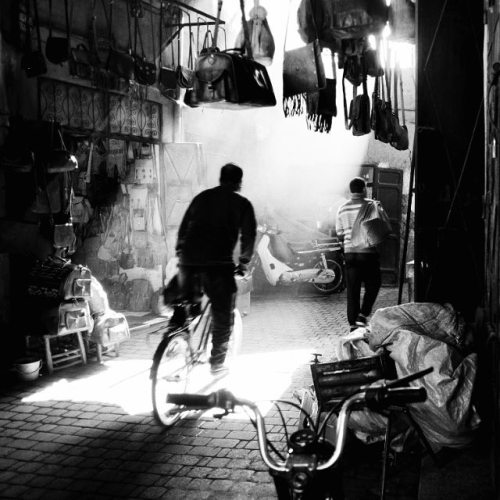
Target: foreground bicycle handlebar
302, 442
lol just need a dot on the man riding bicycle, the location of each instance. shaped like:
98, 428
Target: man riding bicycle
206, 242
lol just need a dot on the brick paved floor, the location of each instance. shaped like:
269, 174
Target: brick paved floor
88, 432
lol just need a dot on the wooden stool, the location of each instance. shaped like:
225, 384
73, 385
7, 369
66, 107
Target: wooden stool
65, 359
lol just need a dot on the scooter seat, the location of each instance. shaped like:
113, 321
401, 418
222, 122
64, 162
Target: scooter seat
314, 246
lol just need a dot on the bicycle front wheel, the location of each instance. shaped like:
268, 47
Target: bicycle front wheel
169, 374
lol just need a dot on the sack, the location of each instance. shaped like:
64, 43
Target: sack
80, 62
230, 81
357, 18
371, 227
110, 328
402, 20
98, 300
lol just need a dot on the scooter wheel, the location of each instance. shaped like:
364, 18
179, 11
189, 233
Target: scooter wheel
338, 283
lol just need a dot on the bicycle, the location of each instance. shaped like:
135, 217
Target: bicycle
307, 471
178, 353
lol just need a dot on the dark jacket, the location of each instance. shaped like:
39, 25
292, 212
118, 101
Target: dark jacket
209, 230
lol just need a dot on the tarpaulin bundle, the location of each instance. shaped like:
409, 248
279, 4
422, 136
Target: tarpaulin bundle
420, 335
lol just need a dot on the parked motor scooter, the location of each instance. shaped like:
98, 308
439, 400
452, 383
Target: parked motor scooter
319, 262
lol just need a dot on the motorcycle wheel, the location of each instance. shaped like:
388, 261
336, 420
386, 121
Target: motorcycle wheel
338, 284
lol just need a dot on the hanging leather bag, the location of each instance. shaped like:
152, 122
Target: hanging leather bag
230, 80
303, 73
80, 62
57, 47
33, 62
356, 18
119, 63
186, 74
168, 75
381, 115
359, 113
399, 139
144, 70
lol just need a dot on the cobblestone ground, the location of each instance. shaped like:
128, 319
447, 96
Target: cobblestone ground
88, 432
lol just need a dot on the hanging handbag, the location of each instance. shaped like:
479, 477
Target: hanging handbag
186, 75
303, 72
120, 63
355, 18
168, 75
56, 47
359, 112
261, 38
33, 62
381, 115
80, 62
399, 139
144, 71
322, 106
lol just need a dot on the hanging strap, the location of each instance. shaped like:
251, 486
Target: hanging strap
37, 25
401, 89
217, 22
27, 41
161, 37
152, 30
246, 33
50, 18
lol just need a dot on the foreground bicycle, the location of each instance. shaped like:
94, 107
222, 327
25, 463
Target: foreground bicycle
307, 472
179, 352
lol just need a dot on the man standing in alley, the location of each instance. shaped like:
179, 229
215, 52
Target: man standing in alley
362, 261
207, 238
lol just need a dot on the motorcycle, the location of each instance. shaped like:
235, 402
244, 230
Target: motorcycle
319, 262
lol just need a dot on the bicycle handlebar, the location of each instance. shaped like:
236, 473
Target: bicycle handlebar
377, 397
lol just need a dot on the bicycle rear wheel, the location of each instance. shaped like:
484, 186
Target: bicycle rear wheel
169, 374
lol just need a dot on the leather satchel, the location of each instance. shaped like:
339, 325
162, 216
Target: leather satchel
381, 115
303, 70
399, 139
80, 64
144, 70
359, 113
356, 18
57, 47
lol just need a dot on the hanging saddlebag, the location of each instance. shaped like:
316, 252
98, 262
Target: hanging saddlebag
57, 278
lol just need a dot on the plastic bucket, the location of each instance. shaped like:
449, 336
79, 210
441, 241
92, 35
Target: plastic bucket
27, 368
